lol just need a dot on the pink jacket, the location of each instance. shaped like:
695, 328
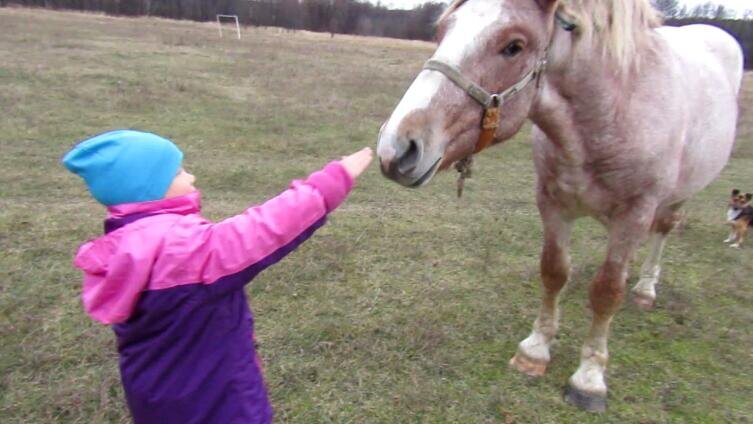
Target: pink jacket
175, 245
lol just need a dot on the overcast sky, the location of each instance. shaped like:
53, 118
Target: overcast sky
737, 5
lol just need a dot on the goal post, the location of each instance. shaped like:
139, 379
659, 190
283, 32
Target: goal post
235, 18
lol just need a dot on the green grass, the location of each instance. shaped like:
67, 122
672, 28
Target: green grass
405, 308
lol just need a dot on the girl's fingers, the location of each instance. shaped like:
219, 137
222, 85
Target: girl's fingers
357, 162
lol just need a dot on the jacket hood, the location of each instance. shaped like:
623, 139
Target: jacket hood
117, 266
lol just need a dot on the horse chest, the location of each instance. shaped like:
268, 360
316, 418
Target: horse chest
576, 190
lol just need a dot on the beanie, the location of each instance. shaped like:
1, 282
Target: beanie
125, 166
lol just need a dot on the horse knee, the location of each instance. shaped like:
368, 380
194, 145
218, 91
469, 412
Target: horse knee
555, 269
607, 290
554, 277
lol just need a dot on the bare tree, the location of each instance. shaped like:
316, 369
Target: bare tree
669, 8
705, 10
722, 12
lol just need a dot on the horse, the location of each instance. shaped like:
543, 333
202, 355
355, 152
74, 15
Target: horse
630, 119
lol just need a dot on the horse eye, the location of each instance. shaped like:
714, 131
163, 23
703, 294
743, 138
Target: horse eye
513, 49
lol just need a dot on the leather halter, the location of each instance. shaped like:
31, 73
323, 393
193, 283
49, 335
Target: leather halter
492, 102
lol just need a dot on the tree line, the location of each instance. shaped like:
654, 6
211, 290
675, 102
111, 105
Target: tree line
360, 17
348, 17
334, 16
672, 9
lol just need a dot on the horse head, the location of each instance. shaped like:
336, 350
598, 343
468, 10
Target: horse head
487, 46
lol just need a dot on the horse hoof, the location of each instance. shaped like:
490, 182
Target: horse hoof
586, 401
526, 365
644, 302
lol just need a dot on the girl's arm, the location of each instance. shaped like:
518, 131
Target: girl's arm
243, 245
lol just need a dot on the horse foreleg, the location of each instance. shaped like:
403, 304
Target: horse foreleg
587, 387
533, 356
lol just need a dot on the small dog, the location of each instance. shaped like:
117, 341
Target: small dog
739, 217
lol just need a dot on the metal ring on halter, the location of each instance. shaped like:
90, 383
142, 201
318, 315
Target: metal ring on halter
494, 100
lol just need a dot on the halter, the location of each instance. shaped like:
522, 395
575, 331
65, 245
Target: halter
490, 102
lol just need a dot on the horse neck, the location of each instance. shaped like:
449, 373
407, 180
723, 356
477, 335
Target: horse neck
579, 100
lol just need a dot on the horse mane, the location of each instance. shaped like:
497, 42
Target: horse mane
621, 28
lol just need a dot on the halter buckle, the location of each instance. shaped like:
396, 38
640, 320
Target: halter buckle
494, 101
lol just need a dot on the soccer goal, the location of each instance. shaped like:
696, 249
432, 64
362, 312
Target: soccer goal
220, 18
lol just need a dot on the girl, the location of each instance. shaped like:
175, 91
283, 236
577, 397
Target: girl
172, 283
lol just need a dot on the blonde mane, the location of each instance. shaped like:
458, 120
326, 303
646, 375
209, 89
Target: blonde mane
620, 28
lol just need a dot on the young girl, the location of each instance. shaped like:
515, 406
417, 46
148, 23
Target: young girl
172, 283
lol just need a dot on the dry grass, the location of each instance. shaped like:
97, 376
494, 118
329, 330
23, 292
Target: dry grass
405, 308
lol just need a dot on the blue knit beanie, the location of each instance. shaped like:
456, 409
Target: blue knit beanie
125, 166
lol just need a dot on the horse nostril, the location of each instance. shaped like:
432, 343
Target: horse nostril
407, 162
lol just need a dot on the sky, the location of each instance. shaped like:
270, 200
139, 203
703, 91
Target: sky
738, 5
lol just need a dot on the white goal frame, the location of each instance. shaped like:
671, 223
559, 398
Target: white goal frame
237, 26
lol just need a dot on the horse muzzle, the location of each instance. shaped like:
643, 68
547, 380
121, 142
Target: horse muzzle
406, 161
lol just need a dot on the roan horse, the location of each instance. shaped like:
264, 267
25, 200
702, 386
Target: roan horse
630, 120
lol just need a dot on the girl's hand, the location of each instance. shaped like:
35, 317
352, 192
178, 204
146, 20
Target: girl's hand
356, 163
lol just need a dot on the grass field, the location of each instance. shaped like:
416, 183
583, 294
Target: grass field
406, 307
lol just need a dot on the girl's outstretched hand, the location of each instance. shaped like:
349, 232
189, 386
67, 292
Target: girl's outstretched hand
356, 163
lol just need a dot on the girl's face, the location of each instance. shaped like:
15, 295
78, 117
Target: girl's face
182, 184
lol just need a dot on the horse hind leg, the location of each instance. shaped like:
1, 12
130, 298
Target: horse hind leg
644, 292
533, 355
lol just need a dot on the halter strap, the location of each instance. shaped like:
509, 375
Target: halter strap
482, 96
453, 73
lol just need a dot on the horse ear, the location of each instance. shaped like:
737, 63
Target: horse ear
735, 192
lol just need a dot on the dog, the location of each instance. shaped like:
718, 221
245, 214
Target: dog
739, 216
